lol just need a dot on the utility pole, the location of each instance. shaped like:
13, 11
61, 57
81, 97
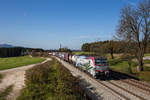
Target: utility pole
60, 47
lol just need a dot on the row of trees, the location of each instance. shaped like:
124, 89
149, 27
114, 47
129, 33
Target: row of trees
11, 52
103, 47
132, 37
111, 46
17, 51
64, 50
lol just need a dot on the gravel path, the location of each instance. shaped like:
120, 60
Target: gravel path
15, 77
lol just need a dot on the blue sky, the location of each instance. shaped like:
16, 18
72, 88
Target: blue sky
47, 23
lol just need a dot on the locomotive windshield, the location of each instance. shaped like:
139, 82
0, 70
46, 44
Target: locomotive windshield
100, 61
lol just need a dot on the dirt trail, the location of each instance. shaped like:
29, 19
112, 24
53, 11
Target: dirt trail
15, 77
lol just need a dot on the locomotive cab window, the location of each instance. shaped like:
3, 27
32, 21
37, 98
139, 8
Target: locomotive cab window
100, 61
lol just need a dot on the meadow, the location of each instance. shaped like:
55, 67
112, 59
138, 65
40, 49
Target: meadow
13, 62
120, 65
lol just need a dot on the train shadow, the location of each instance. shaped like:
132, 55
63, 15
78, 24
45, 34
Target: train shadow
114, 75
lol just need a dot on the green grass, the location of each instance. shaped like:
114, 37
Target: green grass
115, 55
147, 54
12, 62
5, 93
120, 65
147, 61
144, 75
83, 53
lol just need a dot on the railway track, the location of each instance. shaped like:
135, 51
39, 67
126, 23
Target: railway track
106, 86
134, 83
117, 87
126, 90
140, 83
121, 95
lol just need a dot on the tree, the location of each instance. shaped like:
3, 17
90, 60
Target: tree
111, 48
128, 54
86, 47
33, 53
65, 49
40, 53
134, 27
148, 47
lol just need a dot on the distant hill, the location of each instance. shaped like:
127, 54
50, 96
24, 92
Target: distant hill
6, 46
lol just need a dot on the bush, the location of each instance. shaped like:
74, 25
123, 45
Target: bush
6, 92
51, 81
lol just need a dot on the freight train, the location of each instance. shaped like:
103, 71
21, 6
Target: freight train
96, 66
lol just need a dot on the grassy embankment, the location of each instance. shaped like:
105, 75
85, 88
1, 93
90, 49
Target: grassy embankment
120, 65
12, 62
51, 81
